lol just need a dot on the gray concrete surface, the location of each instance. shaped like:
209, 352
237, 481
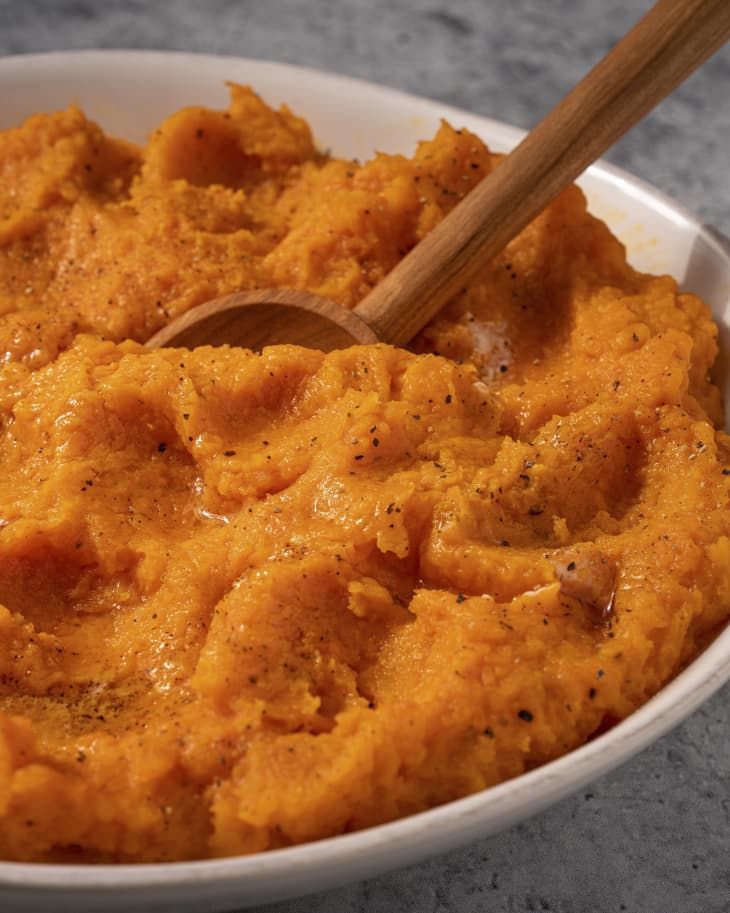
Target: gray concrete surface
653, 837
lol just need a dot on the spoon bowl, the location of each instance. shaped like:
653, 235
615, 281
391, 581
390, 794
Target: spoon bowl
267, 317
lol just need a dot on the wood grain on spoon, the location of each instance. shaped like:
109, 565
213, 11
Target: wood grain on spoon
668, 44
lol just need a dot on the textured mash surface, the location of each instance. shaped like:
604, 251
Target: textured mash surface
254, 600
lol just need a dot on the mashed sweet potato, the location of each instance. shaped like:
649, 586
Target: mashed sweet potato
252, 600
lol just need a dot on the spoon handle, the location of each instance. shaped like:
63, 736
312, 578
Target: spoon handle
671, 41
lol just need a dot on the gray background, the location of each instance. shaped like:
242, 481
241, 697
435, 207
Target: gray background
653, 837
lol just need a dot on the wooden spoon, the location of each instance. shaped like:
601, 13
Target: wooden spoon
671, 41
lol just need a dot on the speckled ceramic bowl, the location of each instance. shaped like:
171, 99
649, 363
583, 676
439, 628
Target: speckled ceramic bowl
129, 93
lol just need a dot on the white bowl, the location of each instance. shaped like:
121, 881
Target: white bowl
129, 92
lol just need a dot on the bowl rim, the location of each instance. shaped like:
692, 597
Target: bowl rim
455, 823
